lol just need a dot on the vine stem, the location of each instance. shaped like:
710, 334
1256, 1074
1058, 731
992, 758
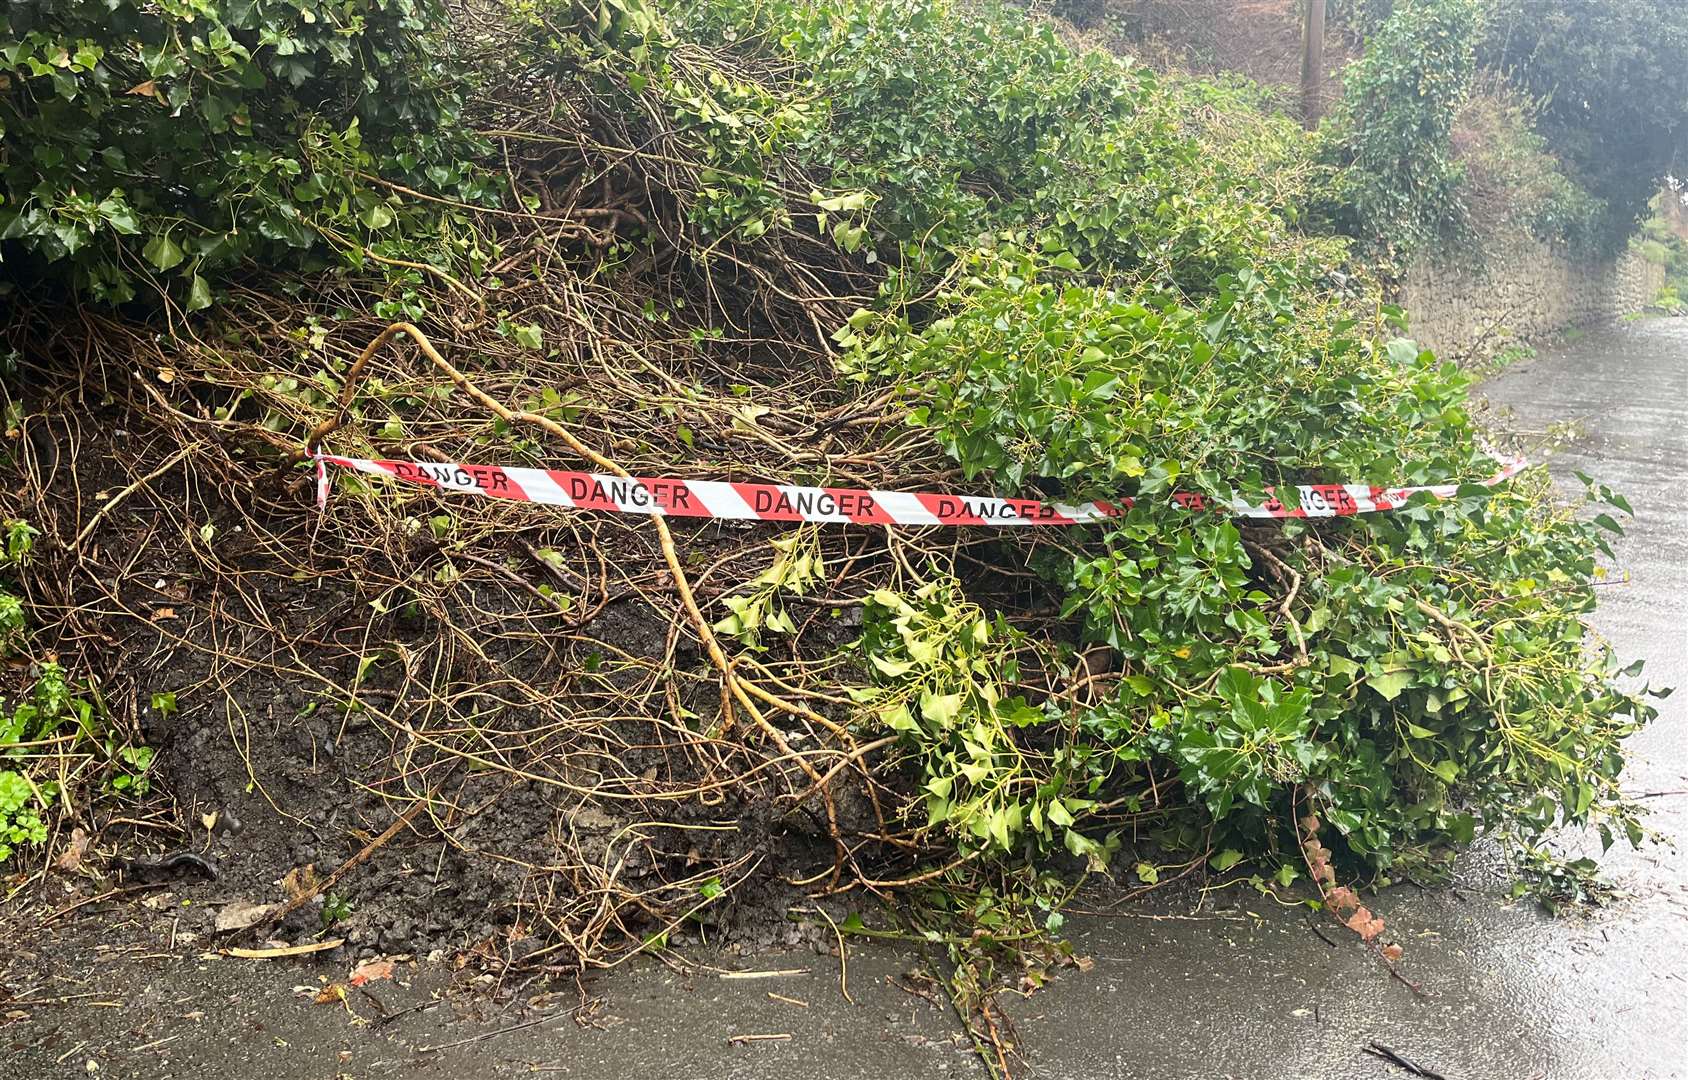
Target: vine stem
732, 689
169, 463
1305, 791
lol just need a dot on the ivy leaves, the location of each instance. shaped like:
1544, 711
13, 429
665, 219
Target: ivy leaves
941, 673
1256, 741
1399, 182
163, 253
1037, 378
1138, 318
1114, 302
156, 147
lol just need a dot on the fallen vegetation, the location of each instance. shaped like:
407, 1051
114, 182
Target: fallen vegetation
831, 242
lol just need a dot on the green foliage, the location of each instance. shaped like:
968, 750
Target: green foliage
936, 123
19, 540
1031, 374
156, 146
134, 763
1558, 883
1398, 186
20, 813
335, 908
37, 715
795, 569
1665, 245
1653, 251
1612, 80
1511, 181
1247, 743
1430, 669
1362, 16
945, 114
941, 671
1422, 673
49, 705
1607, 93
11, 622
52, 716
1670, 300
1502, 358
736, 128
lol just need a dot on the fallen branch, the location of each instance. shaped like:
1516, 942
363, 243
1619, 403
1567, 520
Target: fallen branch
731, 689
285, 950
342, 870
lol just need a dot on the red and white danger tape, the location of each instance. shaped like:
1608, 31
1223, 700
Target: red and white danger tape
787, 502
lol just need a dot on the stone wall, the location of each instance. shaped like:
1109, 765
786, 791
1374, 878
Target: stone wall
1532, 291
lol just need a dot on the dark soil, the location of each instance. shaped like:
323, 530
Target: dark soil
264, 771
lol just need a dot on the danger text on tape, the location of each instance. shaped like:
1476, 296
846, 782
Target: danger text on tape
786, 502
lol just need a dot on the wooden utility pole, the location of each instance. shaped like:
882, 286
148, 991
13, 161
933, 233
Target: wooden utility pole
1312, 64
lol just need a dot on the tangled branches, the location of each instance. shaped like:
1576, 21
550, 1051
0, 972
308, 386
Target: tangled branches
756, 251
484, 661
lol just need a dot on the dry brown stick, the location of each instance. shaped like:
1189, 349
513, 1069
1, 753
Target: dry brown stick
995, 1037
169, 463
731, 690
343, 869
509, 575
94, 899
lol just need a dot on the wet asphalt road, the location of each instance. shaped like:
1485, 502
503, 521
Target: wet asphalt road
1240, 987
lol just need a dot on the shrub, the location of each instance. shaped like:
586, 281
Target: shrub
1092, 292
1667, 246
154, 146
1511, 181
1423, 673
963, 121
1390, 134
1612, 80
